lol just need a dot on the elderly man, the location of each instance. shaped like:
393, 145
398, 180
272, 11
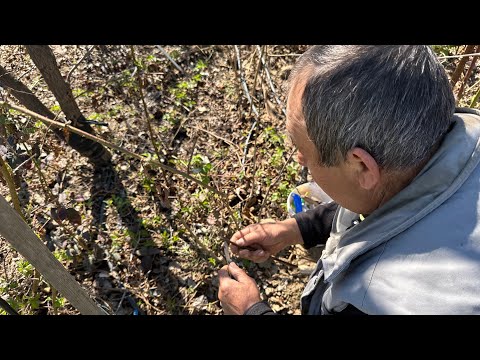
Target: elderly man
378, 130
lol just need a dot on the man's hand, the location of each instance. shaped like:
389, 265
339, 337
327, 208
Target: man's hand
236, 295
267, 239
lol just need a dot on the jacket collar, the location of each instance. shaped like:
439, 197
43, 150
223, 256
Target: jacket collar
446, 171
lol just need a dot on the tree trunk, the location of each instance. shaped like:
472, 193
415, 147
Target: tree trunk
45, 61
461, 65
96, 153
23, 94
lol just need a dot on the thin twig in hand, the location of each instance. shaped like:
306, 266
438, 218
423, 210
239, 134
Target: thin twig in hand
285, 262
226, 252
273, 257
169, 58
78, 63
269, 78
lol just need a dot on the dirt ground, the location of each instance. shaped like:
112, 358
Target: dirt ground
135, 246
138, 239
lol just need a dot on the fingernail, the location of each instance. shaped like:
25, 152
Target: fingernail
240, 242
260, 253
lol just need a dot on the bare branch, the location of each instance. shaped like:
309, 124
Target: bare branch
235, 146
475, 98
254, 109
246, 143
45, 60
457, 56
6, 306
170, 58
276, 180
256, 75
461, 65
147, 116
282, 55
269, 78
467, 75
78, 63
6, 173
242, 80
110, 145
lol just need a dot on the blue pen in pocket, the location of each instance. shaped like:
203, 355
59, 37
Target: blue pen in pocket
297, 202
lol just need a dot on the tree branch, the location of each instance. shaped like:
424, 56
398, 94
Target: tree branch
110, 145
269, 78
461, 65
78, 63
45, 61
23, 94
95, 153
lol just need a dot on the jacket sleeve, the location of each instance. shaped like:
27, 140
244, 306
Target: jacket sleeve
260, 308
316, 224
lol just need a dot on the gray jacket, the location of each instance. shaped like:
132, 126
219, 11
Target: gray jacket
419, 253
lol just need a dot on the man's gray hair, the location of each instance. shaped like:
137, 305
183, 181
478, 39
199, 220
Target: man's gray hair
395, 102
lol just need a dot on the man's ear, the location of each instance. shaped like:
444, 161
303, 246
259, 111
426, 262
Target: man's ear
365, 168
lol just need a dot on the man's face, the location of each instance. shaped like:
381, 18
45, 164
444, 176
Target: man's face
336, 181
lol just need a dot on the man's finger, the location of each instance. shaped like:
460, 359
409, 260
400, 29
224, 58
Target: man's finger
250, 235
255, 248
223, 274
237, 273
241, 233
255, 256
235, 249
